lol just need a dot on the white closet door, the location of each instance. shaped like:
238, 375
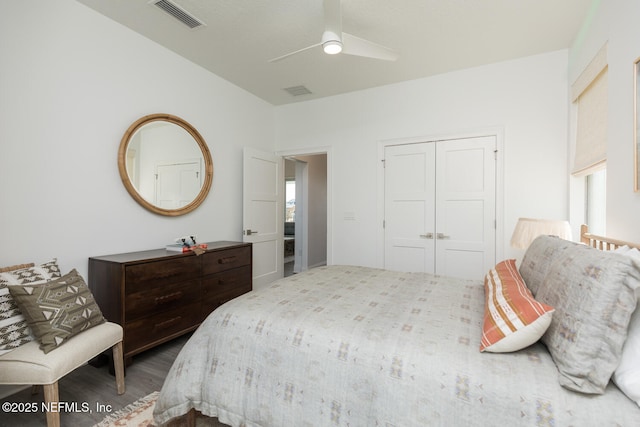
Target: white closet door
466, 207
439, 206
409, 207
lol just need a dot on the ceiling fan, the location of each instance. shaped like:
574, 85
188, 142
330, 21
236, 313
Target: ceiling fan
335, 41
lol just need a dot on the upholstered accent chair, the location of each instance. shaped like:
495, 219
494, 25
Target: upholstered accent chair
28, 364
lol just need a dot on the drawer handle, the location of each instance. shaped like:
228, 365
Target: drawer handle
168, 298
167, 323
226, 260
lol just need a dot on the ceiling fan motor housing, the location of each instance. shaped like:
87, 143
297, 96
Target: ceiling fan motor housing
331, 42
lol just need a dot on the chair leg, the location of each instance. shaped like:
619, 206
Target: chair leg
118, 366
51, 395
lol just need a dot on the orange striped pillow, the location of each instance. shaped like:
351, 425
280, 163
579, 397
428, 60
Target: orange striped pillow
513, 319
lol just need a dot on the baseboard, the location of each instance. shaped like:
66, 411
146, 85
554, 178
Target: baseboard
319, 264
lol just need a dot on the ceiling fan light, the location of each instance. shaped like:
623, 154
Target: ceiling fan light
332, 47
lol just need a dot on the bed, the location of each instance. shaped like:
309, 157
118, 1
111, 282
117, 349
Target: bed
358, 346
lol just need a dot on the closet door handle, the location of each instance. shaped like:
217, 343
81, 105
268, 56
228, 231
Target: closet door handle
427, 236
442, 236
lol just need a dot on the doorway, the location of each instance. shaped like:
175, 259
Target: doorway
305, 212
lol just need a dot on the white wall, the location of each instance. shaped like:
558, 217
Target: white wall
615, 21
525, 98
72, 81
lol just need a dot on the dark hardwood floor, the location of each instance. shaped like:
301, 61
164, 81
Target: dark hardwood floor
96, 387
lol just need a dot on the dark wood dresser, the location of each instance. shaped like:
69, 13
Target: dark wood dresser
158, 295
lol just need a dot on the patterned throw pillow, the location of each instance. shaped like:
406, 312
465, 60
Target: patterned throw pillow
538, 259
594, 293
513, 319
16, 267
14, 330
57, 310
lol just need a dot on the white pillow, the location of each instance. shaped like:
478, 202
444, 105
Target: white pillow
627, 374
634, 252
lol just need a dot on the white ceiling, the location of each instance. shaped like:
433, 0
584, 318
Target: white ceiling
431, 36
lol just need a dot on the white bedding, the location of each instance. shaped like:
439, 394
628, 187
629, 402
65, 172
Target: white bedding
355, 346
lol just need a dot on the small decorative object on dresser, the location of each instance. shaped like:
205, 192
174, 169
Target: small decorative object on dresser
158, 295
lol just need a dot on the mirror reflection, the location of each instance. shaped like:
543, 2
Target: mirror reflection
165, 164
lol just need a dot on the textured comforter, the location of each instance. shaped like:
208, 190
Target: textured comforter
355, 346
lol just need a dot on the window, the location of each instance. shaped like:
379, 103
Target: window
290, 201
590, 96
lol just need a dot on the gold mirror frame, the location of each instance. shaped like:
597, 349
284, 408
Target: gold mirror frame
122, 164
636, 124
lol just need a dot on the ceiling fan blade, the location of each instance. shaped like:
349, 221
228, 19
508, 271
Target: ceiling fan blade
279, 58
353, 45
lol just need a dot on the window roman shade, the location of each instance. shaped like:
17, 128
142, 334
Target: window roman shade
590, 94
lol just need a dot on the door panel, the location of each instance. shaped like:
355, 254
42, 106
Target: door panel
263, 213
177, 184
409, 207
462, 263
440, 207
465, 200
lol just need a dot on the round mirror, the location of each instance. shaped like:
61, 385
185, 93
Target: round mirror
165, 164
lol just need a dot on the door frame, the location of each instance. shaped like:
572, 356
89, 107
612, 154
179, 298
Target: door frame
497, 132
326, 150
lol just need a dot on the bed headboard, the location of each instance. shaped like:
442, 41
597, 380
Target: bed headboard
602, 243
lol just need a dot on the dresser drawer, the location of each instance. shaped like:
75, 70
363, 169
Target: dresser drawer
160, 327
143, 277
222, 287
226, 281
217, 261
211, 304
160, 299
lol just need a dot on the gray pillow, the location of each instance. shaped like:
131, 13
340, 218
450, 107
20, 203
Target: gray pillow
538, 259
57, 310
594, 293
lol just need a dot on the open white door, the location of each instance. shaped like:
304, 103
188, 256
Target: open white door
301, 255
262, 213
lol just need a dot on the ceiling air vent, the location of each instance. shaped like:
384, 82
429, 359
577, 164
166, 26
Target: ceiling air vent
297, 90
179, 13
